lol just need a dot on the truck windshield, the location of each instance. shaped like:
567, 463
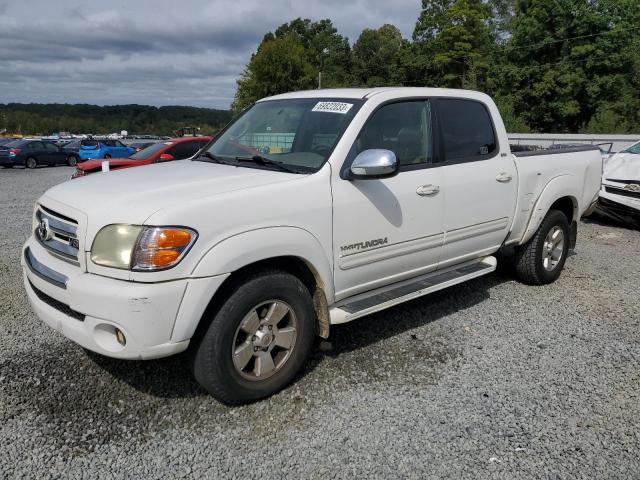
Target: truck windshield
297, 133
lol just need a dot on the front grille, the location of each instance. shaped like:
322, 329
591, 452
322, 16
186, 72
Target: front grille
58, 305
622, 191
58, 234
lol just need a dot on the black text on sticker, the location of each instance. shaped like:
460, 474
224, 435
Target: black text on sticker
332, 107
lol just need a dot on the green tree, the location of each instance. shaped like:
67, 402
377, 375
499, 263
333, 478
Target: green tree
455, 39
377, 57
44, 119
280, 65
569, 63
326, 50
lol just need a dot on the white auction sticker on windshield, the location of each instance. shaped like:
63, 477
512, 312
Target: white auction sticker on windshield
332, 107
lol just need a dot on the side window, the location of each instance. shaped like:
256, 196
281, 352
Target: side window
404, 128
34, 146
184, 150
50, 147
118, 143
467, 131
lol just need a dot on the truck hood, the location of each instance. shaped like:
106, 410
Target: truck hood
132, 195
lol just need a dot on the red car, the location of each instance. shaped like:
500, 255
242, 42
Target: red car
164, 151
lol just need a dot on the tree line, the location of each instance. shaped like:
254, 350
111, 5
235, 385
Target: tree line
560, 66
34, 118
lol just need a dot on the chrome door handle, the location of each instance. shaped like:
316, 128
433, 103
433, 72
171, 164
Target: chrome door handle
503, 177
427, 190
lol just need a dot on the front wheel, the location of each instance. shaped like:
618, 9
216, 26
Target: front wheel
72, 160
541, 260
258, 340
31, 163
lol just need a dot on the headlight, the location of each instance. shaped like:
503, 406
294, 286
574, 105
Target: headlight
138, 248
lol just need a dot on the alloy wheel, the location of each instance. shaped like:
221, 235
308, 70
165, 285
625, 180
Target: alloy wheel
264, 340
553, 248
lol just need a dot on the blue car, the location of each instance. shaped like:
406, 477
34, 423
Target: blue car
94, 149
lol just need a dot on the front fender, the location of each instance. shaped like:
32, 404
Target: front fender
253, 246
556, 188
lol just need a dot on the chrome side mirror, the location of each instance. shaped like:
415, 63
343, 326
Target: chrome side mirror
374, 163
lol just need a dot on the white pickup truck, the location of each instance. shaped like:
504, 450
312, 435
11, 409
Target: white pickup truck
311, 209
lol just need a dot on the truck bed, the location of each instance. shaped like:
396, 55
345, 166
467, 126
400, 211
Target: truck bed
543, 172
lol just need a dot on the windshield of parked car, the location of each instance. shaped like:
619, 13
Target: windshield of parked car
634, 149
299, 134
151, 150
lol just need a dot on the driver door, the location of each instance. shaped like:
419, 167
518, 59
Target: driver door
388, 230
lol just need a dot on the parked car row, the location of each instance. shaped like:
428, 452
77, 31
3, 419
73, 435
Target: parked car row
175, 149
89, 154
31, 153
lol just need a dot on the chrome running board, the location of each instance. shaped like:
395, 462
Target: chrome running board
370, 302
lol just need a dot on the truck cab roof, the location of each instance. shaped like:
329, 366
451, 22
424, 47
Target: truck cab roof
365, 93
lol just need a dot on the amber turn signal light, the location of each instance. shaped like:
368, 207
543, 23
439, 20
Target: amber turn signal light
161, 247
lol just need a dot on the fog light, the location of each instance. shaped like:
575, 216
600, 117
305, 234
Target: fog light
120, 337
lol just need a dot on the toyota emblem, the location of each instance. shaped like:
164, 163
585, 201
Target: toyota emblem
43, 230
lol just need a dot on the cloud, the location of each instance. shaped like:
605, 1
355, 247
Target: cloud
187, 52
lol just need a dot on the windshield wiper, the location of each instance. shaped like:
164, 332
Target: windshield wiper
260, 160
211, 158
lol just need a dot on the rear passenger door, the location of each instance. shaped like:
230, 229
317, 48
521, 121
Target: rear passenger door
480, 180
52, 154
37, 151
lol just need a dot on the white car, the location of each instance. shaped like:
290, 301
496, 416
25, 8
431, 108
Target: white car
620, 195
311, 209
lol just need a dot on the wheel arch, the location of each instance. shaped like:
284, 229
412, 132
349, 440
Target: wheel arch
559, 194
288, 249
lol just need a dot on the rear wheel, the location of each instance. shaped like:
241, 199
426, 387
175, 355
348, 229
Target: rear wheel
258, 340
107, 156
31, 162
72, 160
541, 260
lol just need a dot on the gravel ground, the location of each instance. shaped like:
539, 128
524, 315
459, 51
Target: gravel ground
490, 379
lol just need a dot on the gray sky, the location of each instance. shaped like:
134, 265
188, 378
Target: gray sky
155, 52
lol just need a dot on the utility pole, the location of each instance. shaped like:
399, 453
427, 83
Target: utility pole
322, 54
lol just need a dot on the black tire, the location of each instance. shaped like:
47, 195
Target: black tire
72, 160
31, 162
8, 166
107, 156
529, 258
212, 356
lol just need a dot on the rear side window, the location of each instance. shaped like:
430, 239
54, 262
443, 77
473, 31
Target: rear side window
467, 130
184, 150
